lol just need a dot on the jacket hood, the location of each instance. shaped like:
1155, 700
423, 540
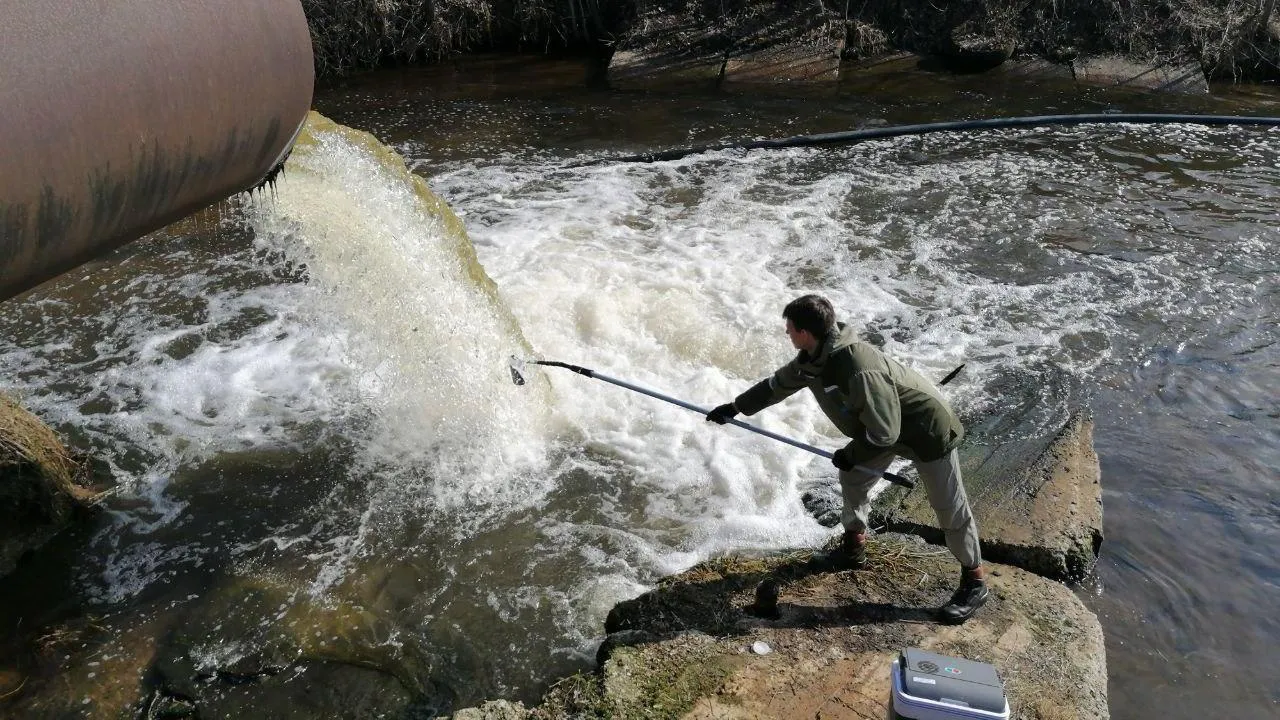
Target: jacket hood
842, 337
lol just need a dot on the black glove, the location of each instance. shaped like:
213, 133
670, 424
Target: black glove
843, 459
722, 413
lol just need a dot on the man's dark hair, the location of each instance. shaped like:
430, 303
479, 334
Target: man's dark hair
812, 313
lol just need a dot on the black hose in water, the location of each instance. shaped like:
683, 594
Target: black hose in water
853, 136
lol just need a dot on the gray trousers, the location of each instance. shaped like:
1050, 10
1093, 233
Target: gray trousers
946, 496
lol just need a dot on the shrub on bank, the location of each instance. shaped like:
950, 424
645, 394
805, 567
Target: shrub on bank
352, 35
1232, 39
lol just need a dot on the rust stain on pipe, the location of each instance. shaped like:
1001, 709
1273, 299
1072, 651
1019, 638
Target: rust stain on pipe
118, 118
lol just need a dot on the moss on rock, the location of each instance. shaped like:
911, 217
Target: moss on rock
691, 647
644, 680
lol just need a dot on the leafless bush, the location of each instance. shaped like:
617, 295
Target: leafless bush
1231, 38
864, 40
350, 35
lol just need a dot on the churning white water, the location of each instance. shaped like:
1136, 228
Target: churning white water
430, 345
426, 337
339, 315
671, 275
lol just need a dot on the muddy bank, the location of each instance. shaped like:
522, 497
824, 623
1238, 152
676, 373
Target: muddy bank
1220, 40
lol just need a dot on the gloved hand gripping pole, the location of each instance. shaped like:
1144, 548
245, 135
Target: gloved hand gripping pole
517, 376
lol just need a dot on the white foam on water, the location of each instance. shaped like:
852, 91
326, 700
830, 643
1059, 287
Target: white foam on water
669, 275
163, 370
427, 338
673, 276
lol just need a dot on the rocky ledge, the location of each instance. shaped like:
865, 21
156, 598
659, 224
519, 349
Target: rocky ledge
767, 42
700, 646
1038, 501
692, 648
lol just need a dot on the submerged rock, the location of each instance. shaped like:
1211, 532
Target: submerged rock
313, 658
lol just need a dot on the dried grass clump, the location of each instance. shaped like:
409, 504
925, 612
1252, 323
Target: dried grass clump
1234, 38
864, 40
29, 447
40, 484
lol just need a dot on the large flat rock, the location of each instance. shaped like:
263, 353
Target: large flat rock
792, 45
750, 42
670, 49
1037, 500
690, 647
1118, 71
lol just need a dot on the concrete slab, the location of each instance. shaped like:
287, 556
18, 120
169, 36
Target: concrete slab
1038, 501
670, 49
797, 48
795, 64
630, 69
758, 41
692, 649
1117, 71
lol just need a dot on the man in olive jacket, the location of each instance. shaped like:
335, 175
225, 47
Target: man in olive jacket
887, 410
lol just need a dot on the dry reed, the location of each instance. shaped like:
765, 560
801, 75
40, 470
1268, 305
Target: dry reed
1237, 39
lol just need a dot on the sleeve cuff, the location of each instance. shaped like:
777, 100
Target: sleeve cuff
755, 399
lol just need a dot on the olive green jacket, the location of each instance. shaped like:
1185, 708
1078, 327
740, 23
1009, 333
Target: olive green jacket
881, 404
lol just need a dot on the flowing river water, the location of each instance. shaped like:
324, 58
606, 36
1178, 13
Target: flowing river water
305, 395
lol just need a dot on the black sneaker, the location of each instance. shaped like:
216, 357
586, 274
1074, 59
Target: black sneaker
766, 604
849, 554
971, 595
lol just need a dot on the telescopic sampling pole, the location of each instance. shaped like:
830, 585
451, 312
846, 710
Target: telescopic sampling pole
517, 376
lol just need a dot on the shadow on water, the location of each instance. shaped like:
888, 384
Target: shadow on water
226, 623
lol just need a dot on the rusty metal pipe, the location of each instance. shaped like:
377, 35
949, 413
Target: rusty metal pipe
118, 118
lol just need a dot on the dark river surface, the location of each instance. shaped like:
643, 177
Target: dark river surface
305, 394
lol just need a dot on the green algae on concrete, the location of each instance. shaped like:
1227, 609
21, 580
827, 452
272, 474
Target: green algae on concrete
691, 648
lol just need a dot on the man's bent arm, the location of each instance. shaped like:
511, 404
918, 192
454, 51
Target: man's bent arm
875, 398
781, 385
